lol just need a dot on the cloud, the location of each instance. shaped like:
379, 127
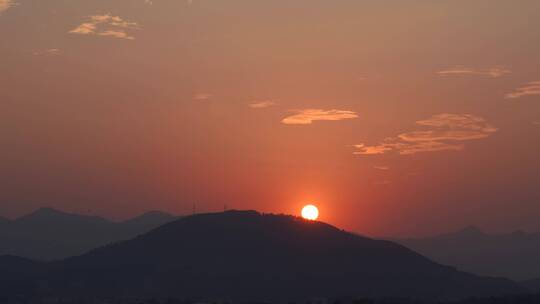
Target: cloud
405, 148
202, 96
373, 150
308, 116
494, 72
450, 127
85, 28
536, 123
48, 52
446, 132
115, 34
6, 4
531, 88
382, 168
106, 25
432, 146
262, 104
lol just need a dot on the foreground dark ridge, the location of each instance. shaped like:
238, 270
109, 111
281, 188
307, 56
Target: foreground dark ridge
247, 255
521, 299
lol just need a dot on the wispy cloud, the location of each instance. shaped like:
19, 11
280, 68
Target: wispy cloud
308, 116
6, 4
47, 52
202, 96
446, 132
536, 122
116, 34
494, 72
106, 25
261, 104
382, 168
531, 88
374, 150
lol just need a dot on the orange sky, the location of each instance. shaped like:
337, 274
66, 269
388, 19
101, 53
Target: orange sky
405, 118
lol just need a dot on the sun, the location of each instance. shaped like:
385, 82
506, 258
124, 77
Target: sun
310, 212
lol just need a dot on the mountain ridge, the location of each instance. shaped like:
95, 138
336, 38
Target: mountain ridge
4, 220
249, 255
50, 234
511, 255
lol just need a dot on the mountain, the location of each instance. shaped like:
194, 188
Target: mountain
513, 255
532, 285
247, 255
49, 234
19, 276
149, 220
4, 221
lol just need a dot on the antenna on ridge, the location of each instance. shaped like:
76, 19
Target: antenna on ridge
194, 208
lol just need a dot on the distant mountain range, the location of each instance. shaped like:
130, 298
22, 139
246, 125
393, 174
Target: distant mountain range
49, 234
248, 255
514, 255
4, 221
532, 285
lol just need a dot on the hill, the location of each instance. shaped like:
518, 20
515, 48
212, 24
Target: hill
513, 255
4, 221
247, 255
532, 285
149, 220
49, 234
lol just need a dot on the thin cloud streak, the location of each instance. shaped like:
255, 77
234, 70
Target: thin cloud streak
494, 72
107, 26
405, 148
6, 4
373, 150
49, 52
531, 88
308, 116
262, 104
202, 96
116, 34
447, 132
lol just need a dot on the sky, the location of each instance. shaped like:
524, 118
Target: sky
395, 118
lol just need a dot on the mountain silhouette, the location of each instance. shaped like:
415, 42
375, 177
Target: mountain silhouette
4, 221
513, 255
247, 255
53, 219
149, 220
49, 234
532, 285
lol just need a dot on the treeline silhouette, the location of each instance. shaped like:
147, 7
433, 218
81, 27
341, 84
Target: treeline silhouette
517, 299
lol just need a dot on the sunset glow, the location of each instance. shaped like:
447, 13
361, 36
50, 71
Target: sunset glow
270, 151
363, 108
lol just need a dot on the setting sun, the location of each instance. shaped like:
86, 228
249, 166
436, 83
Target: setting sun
310, 212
